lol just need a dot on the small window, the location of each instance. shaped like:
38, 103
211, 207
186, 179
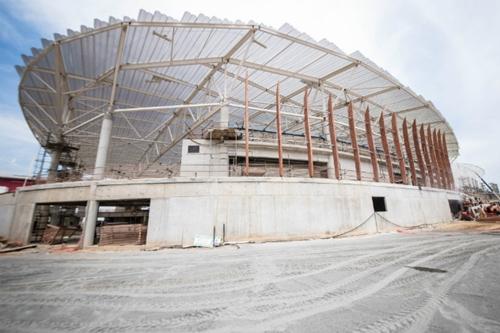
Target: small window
379, 204
193, 149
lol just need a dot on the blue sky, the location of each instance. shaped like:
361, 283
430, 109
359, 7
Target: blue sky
447, 51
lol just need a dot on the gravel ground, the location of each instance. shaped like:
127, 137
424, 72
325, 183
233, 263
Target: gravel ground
425, 281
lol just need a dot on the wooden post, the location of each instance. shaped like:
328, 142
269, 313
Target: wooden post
444, 159
278, 131
440, 158
371, 144
432, 153
447, 157
418, 152
333, 138
354, 141
385, 146
307, 132
409, 153
427, 155
397, 145
246, 123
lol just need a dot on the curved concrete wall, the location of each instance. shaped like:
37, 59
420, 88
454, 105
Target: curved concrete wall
247, 208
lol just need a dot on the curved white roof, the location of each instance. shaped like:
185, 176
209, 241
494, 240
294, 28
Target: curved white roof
66, 86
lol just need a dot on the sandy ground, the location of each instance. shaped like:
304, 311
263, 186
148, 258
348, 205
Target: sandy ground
444, 280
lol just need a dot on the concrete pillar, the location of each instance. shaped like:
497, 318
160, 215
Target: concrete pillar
103, 146
91, 211
90, 223
222, 119
54, 164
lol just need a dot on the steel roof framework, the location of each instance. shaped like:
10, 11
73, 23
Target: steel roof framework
163, 79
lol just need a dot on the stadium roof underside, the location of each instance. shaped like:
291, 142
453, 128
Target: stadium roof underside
187, 69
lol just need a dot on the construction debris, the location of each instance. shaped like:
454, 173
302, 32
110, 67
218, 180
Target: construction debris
19, 248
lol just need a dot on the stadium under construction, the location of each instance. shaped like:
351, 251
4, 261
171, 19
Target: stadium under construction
170, 132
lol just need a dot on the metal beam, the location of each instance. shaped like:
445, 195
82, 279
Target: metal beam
385, 146
278, 131
354, 141
409, 153
397, 146
371, 145
333, 137
418, 152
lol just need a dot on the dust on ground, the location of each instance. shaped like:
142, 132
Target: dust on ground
443, 278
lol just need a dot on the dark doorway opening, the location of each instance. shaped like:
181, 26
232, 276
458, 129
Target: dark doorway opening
58, 222
379, 204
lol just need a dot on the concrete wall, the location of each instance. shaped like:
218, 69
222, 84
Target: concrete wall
7, 207
250, 208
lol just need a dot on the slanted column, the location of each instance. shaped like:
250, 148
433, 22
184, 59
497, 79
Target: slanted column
447, 158
427, 155
307, 133
432, 153
354, 141
333, 138
418, 152
371, 145
409, 153
385, 146
397, 146
103, 146
444, 168
278, 131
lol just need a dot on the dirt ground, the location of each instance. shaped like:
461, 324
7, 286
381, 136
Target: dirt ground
441, 279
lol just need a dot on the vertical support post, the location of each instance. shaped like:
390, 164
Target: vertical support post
418, 152
354, 141
447, 158
440, 159
371, 145
333, 137
432, 153
427, 155
278, 131
103, 145
409, 153
107, 120
307, 132
54, 164
246, 124
385, 146
444, 160
397, 145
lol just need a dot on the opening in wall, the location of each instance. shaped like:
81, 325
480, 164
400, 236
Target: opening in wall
379, 204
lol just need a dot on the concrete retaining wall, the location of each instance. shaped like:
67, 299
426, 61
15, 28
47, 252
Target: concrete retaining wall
7, 207
247, 208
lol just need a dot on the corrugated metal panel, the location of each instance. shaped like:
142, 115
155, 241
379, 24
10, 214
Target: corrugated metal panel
285, 55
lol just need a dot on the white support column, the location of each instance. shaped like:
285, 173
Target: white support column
90, 218
54, 164
103, 146
223, 118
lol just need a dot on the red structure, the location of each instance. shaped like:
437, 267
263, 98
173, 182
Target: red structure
13, 182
